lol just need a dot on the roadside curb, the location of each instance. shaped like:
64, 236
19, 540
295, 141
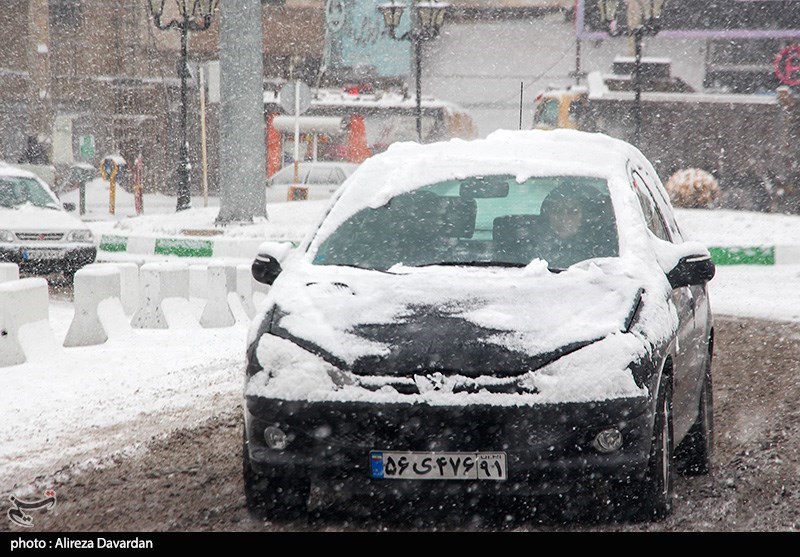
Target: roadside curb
247, 248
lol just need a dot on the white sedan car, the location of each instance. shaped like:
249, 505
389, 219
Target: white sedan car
36, 232
316, 180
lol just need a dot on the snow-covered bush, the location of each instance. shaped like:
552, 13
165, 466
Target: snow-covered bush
693, 188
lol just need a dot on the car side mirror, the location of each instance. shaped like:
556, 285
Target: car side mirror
265, 268
692, 270
69, 207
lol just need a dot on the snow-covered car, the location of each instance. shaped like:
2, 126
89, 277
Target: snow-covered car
36, 232
427, 338
315, 180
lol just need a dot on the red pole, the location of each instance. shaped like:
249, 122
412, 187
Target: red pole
138, 170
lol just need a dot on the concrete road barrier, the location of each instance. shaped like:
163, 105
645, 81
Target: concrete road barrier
244, 288
129, 284
96, 286
217, 311
24, 321
159, 282
8, 271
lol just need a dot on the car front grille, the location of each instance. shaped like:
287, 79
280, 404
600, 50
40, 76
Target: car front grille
40, 236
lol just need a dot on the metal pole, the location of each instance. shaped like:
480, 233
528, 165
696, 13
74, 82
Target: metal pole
637, 86
296, 131
418, 63
203, 144
184, 196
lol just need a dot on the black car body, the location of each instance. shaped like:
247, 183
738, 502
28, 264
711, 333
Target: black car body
427, 339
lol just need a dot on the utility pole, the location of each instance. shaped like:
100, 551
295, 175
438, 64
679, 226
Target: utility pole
242, 137
40, 98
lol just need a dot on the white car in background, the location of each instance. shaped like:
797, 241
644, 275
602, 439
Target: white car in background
36, 232
316, 180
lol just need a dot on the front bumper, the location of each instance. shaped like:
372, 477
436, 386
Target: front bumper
549, 446
48, 258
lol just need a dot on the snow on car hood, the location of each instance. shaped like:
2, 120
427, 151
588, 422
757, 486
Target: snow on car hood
40, 219
564, 334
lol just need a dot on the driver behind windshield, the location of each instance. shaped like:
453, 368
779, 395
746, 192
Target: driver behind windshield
570, 229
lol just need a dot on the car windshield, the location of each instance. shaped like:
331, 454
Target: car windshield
286, 175
481, 220
17, 191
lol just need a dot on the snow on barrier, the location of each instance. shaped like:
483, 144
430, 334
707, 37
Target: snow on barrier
164, 299
217, 311
129, 283
98, 308
9, 271
244, 288
25, 331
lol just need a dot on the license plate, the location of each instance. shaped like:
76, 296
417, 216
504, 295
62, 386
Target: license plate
389, 465
34, 254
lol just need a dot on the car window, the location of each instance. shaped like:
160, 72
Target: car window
662, 205
481, 220
322, 176
651, 215
547, 113
17, 191
286, 175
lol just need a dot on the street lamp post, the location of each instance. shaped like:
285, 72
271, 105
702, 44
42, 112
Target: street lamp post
191, 15
426, 21
649, 24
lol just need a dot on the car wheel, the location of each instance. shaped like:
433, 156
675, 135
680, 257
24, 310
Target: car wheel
651, 497
693, 455
283, 498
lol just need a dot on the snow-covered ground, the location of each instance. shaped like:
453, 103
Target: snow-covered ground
78, 405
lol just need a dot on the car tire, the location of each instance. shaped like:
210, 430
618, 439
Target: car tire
271, 498
651, 497
693, 455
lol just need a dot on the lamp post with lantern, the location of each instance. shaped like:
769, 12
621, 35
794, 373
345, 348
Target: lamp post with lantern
427, 18
189, 15
648, 24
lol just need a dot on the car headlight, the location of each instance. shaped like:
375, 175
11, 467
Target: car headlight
83, 236
291, 372
6, 236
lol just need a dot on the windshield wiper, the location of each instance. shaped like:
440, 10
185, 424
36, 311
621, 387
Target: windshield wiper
473, 264
356, 266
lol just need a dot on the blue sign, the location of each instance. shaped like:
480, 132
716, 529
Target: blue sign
358, 45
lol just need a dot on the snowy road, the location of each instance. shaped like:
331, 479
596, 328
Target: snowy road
191, 479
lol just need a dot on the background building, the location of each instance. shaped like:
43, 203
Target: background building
89, 78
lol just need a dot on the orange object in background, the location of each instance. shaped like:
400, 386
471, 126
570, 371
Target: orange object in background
357, 150
274, 150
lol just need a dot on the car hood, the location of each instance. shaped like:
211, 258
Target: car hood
469, 321
29, 217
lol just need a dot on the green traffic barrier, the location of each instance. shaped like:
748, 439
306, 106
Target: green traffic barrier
743, 256
113, 243
184, 248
